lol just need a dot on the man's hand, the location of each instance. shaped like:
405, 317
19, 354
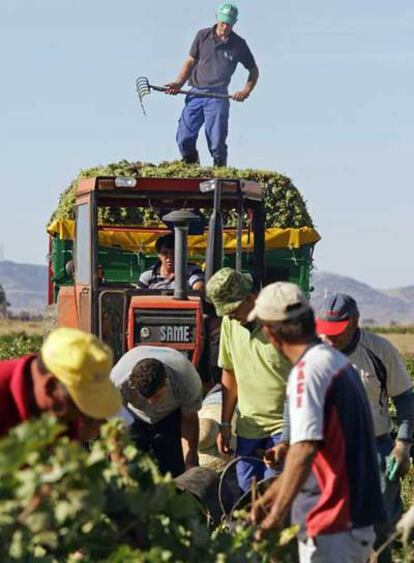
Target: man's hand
223, 440
398, 462
274, 519
264, 513
260, 508
172, 88
406, 525
241, 95
274, 456
279, 497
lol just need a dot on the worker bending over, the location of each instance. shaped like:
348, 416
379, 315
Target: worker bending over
68, 378
162, 393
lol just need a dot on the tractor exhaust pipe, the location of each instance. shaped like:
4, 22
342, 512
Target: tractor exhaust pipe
214, 254
181, 221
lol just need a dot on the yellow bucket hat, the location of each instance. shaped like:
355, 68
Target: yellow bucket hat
83, 363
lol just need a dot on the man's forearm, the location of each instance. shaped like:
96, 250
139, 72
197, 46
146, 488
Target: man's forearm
297, 469
404, 404
190, 430
185, 71
229, 395
252, 78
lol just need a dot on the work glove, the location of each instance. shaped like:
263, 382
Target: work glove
398, 462
406, 525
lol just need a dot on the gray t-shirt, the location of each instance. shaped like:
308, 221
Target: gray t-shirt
184, 387
398, 380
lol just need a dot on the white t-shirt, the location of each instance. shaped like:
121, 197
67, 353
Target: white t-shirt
307, 389
398, 380
184, 387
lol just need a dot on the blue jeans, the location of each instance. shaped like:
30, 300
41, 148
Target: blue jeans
247, 469
214, 114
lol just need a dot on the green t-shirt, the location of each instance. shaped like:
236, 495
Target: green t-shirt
261, 374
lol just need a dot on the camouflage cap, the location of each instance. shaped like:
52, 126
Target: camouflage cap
227, 289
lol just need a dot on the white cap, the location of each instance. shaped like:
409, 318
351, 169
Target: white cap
279, 301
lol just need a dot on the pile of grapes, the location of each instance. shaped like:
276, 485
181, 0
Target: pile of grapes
285, 206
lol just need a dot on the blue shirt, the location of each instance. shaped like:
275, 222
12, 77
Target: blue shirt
217, 60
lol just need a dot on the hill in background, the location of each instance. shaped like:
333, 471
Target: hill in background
377, 307
25, 286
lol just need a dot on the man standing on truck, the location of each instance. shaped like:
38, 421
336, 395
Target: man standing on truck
162, 393
212, 60
254, 376
384, 376
162, 274
68, 378
331, 476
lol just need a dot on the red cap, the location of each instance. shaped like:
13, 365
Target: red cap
335, 313
331, 328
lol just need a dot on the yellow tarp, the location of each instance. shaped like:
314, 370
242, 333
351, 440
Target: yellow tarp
143, 240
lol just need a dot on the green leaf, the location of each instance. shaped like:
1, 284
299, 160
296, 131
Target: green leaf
288, 534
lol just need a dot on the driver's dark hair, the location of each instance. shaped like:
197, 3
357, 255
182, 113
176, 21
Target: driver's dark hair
147, 377
166, 241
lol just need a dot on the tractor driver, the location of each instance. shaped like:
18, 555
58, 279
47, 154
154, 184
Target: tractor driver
161, 275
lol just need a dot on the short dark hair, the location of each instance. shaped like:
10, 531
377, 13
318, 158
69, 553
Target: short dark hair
147, 377
296, 330
166, 241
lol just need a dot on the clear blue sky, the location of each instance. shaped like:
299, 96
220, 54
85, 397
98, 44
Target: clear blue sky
333, 110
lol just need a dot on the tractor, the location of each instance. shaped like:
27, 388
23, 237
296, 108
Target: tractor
94, 266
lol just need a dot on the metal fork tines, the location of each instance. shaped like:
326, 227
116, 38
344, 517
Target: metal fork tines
143, 89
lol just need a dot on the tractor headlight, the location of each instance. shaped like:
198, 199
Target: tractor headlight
125, 182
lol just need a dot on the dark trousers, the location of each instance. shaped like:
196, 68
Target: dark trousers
391, 492
162, 441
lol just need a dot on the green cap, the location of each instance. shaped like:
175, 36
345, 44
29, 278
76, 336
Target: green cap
227, 289
227, 13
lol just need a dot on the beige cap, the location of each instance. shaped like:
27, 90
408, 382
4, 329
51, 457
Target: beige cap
280, 301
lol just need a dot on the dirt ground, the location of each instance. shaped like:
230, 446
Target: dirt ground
8, 326
403, 342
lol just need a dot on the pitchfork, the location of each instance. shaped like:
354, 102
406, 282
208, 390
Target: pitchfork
144, 88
